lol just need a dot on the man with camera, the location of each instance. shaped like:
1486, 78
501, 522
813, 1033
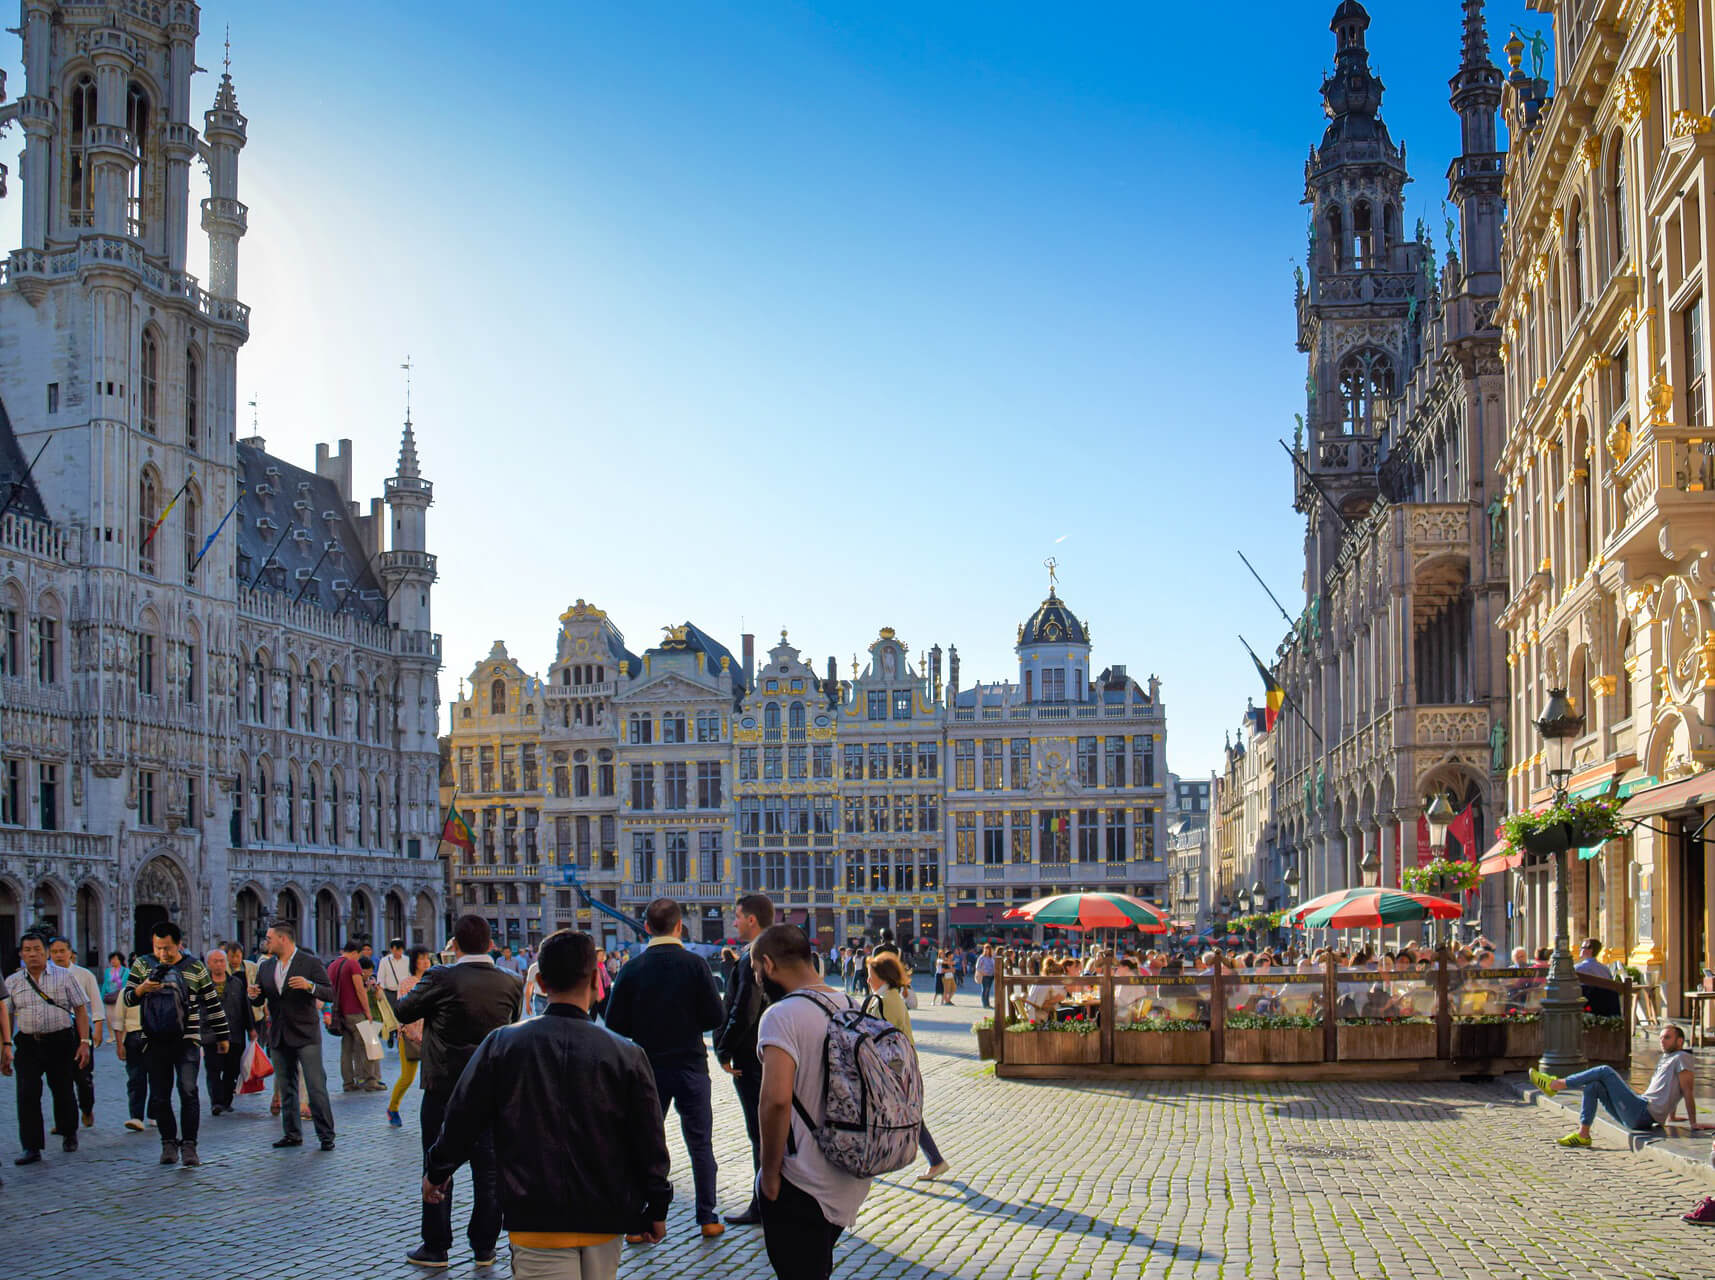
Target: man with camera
45, 1037
176, 1002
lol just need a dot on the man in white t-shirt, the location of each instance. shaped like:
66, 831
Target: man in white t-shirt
806, 1201
59, 951
1668, 1087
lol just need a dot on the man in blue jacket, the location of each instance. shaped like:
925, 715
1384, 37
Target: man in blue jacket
583, 1165
665, 1000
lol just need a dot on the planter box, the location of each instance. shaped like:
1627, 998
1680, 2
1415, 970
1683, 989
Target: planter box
1048, 1048
1383, 1041
1497, 1039
1162, 1048
1607, 1044
1524, 1039
1273, 1044
985, 1043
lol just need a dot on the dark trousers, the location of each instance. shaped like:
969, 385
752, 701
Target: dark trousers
173, 1064
931, 1152
799, 1239
687, 1089
287, 1063
223, 1071
748, 1086
47, 1057
483, 1230
136, 1077
84, 1080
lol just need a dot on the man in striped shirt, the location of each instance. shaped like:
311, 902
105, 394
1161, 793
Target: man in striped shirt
50, 1040
178, 1003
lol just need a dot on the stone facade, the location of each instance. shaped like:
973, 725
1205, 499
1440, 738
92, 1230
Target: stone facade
1246, 856
191, 728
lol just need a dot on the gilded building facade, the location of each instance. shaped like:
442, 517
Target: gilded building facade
1393, 678
1245, 849
1607, 469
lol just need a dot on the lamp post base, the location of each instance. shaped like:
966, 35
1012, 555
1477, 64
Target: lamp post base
1562, 1017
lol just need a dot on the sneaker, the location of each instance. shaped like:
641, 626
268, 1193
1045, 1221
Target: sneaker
188, 1155
423, 1256
169, 1151
483, 1259
393, 1118
1702, 1213
1543, 1081
1573, 1140
136, 1126
934, 1171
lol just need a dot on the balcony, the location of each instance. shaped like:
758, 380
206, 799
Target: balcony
555, 691
408, 561
1435, 529
1667, 497
54, 844
1457, 725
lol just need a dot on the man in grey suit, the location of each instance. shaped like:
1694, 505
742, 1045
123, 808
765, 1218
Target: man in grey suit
293, 982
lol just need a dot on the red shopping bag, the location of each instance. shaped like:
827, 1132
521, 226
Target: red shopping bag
254, 1069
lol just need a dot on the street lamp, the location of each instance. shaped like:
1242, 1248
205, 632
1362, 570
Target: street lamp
1563, 1004
1438, 817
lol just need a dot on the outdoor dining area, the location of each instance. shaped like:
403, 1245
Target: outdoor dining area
1119, 1012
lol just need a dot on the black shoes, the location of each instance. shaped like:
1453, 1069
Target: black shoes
188, 1155
29, 1157
423, 1256
69, 1144
289, 1141
327, 1144
483, 1259
169, 1151
216, 1109
751, 1217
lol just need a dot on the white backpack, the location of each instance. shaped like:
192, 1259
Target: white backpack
872, 1093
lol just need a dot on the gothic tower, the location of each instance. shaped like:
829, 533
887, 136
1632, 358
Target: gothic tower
1475, 176
407, 573
1366, 282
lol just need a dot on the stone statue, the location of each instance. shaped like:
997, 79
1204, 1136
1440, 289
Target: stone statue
1452, 231
282, 814
323, 700
348, 711
1298, 432
1298, 276
1411, 311
1498, 747
1497, 510
1422, 232
249, 687
279, 694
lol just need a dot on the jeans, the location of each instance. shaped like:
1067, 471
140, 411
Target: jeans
1605, 1085
306, 1062
931, 1152
222, 1070
136, 1077
988, 988
800, 1241
49, 1057
687, 1088
592, 1262
483, 1230
173, 1062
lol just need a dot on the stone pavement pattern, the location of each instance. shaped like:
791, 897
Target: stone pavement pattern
1179, 1180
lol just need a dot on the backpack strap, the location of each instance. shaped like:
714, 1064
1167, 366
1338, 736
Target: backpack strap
804, 1114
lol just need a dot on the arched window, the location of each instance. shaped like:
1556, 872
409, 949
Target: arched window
191, 505
193, 400
1390, 233
308, 698
149, 400
1336, 240
580, 779
795, 718
497, 697
1575, 256
137, 120
333, 808
79, 188
771, 719
259, 689
312, 816
377, 832
1363, 246
148, 509
1366, 383
1617, 199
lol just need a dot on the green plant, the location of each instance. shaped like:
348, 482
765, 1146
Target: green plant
987, 1024
1413, 1020
1593, 820
1629, 973
1271, 1021
1076, 1026
1163, 1024
1478, 1019
1443, 875
1601, 1022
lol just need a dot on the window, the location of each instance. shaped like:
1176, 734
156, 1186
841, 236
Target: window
1116, 835
1366, 383
965, 838
508, 770
47, 651
774, 873
902, 759
673, 726
149, 372
1696, 387
677, 846
146, 797
928, 812
1143, 834
1020, 824
855, 872
48, 796
643, 857
1020, 772
1143, 760
928, 760
904, 814
527, 755
497, 698
795, 719
771, 763
773, 815
193, 818
148, 507
1087, 762
928, 871
1054, 684
750, 872
880, 872
824, 815
1113, 762
708, 784
854, 816
749, 816
1089, 836
709, 856
192, 509
994, 841
708, 726
562, 780
902, 704
673, 785
79, 189
747, 764
797, 815
11, 793
824, 871
821, 760
851, 762
643, 786
771, 720
876, 705
1055, 831
797, 762
878, 761
964, 765
642, 730
1575, 257
53, 397
878, 813
193, 400
604, 772
486, 767
9, 656
146, 664
992, 780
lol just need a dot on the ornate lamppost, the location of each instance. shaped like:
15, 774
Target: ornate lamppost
1563, 1005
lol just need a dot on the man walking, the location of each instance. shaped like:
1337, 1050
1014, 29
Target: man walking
584, 1164
459, 1004
665, 1000
177, 1004
48, 1040
391, 971
735, 1041
806, 1200
59, 951
351, 1004
233, 992
293, 982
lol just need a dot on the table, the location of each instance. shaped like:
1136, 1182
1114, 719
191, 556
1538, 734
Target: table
1698, 1000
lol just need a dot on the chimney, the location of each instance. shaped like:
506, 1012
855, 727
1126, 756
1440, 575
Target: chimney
953, 670
749, 647
935, 674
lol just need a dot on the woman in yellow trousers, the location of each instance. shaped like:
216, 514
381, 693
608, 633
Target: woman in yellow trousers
417, 963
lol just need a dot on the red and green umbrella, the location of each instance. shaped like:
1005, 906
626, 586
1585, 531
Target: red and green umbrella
1092, 911
1370, 908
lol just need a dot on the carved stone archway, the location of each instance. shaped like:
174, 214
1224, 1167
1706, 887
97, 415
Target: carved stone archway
161, 892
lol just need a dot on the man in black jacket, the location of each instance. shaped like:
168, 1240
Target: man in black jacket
294, 983
459, 1004
735, 1041
583, 1164
665, 1000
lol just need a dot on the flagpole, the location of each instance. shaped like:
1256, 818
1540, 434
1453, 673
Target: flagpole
17, 485
1283, 613
327, 546
1312, 479
209, 541
1285, 697
268, 559
162, 519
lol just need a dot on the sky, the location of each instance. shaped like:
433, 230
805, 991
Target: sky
825, 316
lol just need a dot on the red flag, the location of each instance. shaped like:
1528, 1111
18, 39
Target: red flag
456, 832
1464, 829
1425, 855
1399, 853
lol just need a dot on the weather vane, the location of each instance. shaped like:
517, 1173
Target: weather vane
254, 415
228, 60
407, 368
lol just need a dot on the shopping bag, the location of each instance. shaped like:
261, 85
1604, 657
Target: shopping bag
369, 1031
254, 1068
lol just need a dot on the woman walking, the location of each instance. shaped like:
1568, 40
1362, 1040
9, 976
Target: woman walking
887, 983
417, 962
947, 979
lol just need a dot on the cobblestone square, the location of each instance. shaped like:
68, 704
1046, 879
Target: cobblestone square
1049, 1179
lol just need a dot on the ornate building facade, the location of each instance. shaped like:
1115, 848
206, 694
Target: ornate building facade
1391, 674
1607, 469
167, 702
1246, 856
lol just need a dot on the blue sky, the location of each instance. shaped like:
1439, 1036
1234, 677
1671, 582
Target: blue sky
830, 316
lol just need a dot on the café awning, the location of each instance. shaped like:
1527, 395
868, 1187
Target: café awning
1500, 857
1687, 793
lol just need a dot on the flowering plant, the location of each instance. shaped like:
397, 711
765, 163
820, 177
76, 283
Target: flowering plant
1078, 1025
1589, 821
1601, 1022
1412, 1020
1271, 1021
1511, 1015
1163, 1024
1443, 873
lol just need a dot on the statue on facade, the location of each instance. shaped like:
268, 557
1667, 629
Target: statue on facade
282, 814
1498, 747
279, 694
249, 686
1452, 231
1538, 50
1298, 432
1411, 312
1497, 511
348, 710
324, 701
1298, 277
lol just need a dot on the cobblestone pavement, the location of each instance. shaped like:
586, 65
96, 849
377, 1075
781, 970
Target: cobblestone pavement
1062, 1180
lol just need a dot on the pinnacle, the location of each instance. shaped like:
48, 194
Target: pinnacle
226, 97
408, 454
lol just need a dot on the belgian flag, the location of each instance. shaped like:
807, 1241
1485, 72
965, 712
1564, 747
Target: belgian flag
1273, 696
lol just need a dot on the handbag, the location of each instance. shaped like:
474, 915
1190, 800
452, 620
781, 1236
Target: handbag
369, 1031
254, 1068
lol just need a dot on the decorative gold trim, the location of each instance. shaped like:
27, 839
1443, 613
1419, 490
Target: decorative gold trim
1686, 124
1633, 90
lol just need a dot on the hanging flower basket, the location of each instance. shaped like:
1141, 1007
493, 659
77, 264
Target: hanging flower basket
1444, 875
1573, 824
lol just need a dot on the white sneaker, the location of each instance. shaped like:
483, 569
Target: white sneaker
136, 1126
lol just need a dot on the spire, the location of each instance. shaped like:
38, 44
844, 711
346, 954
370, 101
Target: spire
1476, 43
225, 97
408, 442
